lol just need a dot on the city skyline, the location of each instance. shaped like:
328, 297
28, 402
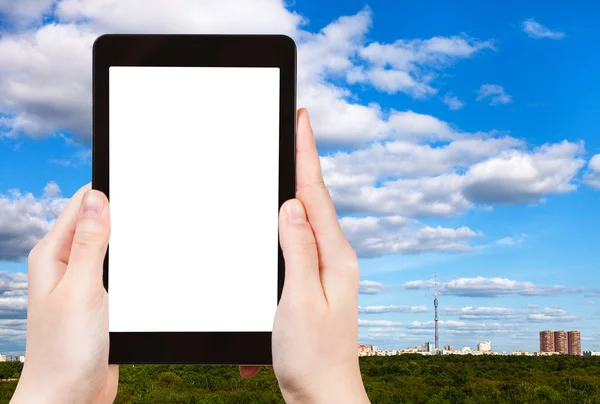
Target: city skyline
460, 153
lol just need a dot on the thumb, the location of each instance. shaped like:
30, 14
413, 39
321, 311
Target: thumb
302, 279
92, 231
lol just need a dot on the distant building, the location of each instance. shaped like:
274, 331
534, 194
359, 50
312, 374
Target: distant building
574, 343
429, 347
591, 353
22, 359
560, 342
522, 353
365, 350
2, 358
546, 341
448, 348
546, 353
485, 346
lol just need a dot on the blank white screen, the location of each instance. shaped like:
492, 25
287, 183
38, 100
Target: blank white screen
194, 161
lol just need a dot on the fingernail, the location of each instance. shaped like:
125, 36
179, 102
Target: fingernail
92, 203
307, 116
296, 213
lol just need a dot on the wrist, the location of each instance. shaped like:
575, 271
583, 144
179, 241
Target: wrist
344, 387
44, 390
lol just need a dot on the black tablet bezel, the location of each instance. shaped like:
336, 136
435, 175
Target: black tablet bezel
238, 348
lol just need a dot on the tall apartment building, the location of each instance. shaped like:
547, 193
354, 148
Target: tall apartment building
546, 341
485, 346
560, 342
364, 348
574, 343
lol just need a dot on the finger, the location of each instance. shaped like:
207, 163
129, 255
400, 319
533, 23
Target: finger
335, 253
65, 224
54, 249
90, 241
302, 279
249, 371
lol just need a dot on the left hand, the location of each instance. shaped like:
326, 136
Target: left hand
67, 312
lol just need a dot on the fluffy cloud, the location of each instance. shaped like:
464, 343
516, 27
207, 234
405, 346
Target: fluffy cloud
375, 236
536, 30
25, 219
409, 65
494, 93
13, 284
392, 309
13, 308
482, 313
370, 288
592, 177
512, 241
377, 323
22, 13
522, 177
181, 16
43, 95
13, 331
490, 287
551, 315
408, 159
453, 102
510, 176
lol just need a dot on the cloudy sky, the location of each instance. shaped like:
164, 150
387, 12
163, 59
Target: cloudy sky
465, 147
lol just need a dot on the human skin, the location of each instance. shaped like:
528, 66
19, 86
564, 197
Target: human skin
315, 333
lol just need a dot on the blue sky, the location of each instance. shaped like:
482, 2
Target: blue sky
464, 189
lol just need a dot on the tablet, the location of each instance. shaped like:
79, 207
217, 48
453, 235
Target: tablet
194, 145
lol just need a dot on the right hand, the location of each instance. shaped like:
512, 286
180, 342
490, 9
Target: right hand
315, 334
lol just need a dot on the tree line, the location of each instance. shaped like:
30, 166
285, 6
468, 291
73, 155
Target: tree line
449, 379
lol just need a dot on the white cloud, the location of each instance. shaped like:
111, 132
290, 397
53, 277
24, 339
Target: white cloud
490, 287
592, 177
46, 80
407, 158
589, 302
536, 30
370, 288
25, 219
13, 307
410, 65
364, 181
46, 73
181, 16
494, 93
13, 331
23, 12
453, 102
392, 309
377, 323
552, 315
522, 177
13, 284
43, 95
375, 236
512, 241
482, 313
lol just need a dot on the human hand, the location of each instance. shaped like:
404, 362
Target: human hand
67, 311
315, 334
